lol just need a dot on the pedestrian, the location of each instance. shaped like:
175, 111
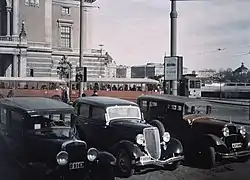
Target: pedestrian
10, 94
95, 93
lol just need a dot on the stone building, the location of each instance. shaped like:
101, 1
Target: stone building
52, 30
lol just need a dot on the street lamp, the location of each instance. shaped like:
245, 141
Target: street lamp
82, 32
100, 59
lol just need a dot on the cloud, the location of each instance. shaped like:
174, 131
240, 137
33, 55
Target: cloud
137, 31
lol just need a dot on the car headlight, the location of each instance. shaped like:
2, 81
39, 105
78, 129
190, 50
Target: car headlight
166, 137
243, 131
225, 131
62, 158
140, 139
92, 154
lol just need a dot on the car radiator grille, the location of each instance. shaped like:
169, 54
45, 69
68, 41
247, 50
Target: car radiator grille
233, 138
77, 152
152, 142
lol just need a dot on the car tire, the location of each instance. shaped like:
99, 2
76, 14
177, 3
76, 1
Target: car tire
159, 125
124, 167
172, 167
208, 159
56, 97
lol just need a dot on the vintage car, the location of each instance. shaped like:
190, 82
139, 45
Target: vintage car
117, 126
39, 134
205, 139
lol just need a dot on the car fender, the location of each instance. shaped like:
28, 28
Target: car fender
173, 146
132, 149
106, 158
213, 140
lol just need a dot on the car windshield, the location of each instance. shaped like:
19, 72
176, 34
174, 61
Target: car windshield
53, 125
55, 132
121, 112
198, 109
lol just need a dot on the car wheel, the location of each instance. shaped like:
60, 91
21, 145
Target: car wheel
124, 164
56, 97
159, 125
208, 157
173, 166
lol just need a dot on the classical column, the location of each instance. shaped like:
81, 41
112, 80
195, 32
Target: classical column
15, 17
15, 66
8, 20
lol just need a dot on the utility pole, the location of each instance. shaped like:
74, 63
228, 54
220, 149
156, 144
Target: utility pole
81, 43
83, 35
173, 37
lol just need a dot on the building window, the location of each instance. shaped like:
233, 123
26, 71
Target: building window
65, 10
34, 3
65, 36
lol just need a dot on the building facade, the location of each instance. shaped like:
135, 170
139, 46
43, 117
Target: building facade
123, 71
149, 70
50, 31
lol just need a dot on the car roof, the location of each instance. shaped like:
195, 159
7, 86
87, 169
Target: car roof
104, 101
181, 100
37, 105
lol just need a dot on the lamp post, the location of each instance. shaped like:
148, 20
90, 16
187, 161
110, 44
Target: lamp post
100, 59
173, 44
82, 37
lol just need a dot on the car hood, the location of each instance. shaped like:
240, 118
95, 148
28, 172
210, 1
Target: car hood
130, 124
205, 124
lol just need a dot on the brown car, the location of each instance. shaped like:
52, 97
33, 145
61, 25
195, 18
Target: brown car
205, 139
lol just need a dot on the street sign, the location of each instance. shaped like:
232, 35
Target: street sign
173, 68
81, 74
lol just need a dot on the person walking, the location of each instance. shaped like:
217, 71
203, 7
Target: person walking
95, 93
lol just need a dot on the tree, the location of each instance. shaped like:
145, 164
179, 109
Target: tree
64, 68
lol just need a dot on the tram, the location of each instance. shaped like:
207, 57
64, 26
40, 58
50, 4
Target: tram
190, 86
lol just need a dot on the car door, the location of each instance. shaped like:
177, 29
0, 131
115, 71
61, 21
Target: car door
15, 133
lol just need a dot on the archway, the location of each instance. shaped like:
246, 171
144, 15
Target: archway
3, 18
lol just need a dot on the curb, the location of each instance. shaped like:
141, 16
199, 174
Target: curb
230, 103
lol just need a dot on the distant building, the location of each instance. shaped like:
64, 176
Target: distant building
149, 70
206, 73
241, 70
123, 71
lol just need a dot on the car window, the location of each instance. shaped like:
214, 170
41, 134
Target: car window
98, 114
84, 110
15, 119
144, 105
3, 116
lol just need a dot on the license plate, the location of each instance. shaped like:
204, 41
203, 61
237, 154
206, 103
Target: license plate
236, 145
76, 165
145, 158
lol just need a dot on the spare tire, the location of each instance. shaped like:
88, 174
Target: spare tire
159, 125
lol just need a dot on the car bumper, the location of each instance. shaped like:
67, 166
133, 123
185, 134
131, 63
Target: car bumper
150, 161
234, 155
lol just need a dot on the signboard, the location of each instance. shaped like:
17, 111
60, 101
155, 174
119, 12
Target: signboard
173, 68
81, 74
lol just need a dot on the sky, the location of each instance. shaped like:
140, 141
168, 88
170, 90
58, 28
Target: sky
211, 33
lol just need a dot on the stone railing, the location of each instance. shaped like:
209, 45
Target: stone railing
38, 44
9, 38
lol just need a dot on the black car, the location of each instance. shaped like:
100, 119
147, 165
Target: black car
40, 135
205, 138
117, 126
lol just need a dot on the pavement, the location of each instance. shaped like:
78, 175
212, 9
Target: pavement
237, 102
